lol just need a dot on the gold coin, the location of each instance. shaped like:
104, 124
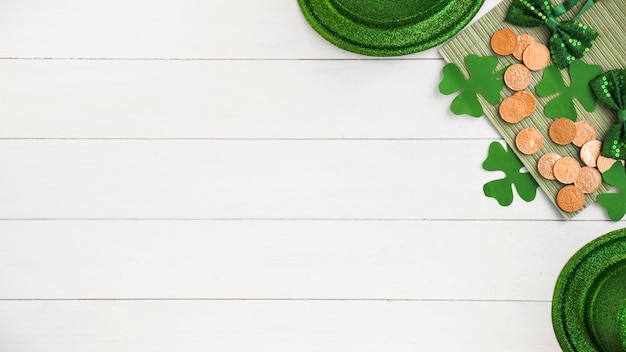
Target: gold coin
512, 109
562, 131
566, 170
504, 41
517, 77
523, 41
570, 199
545, 165
585, 131
528, 141
536, 56
589, 179
529, 99
605, 163
590, 152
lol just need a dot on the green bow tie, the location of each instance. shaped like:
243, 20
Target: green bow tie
569, 39
610, 90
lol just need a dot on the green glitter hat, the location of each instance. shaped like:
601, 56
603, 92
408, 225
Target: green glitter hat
589, 302
388, 28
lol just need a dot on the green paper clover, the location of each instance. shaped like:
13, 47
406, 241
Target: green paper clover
500, 159
562, 105
614, 203
481, 80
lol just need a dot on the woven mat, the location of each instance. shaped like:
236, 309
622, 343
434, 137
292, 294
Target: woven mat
608, 18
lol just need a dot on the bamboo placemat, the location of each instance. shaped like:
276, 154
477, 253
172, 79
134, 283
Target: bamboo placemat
608, 18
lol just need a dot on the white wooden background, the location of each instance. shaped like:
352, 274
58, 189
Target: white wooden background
214, 176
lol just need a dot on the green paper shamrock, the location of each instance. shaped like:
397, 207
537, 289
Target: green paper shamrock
481, 80
500, 159
562, 105
614, 203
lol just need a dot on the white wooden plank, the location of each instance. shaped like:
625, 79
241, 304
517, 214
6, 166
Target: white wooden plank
288, 259
168, 96
163, 29
33, 326
229, 99
418, 179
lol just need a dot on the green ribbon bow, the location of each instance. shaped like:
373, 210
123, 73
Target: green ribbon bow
569, 39
609, 88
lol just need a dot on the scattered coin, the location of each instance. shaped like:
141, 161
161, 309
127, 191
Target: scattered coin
512, 109
566, 170
545, 165
504, 41
536, 56
523, 41
585, 131
517, 77
562, 131
589, 179
605, 163
528, 141
590, 152
570, 199
529, 99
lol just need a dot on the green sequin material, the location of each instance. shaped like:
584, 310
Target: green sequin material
588, 303
569, 40
614, 202
610, 91
388, 28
